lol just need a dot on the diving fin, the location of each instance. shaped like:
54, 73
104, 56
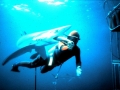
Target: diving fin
15, 68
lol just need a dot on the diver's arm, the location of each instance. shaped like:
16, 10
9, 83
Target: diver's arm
78, 63
67, 44
62, 46
78, 59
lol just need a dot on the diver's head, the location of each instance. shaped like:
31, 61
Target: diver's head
74, 36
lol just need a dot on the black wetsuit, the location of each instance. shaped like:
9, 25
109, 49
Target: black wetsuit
62, 56
59, 57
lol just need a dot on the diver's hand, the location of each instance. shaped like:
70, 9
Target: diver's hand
70, 44
78, 71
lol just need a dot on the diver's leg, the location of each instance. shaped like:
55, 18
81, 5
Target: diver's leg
46, 68
50, 64
33, 64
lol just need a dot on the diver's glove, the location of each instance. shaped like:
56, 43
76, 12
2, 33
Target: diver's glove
78, 71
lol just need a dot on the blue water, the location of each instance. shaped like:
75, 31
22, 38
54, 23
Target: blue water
29, 16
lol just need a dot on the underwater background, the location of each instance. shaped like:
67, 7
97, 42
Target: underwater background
88, 17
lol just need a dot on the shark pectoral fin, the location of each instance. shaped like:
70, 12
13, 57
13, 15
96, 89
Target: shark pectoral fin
18, 53
41, 50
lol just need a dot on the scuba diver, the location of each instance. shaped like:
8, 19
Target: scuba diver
64, 50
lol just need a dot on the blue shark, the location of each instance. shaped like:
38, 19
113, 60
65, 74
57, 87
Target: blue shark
37, 41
